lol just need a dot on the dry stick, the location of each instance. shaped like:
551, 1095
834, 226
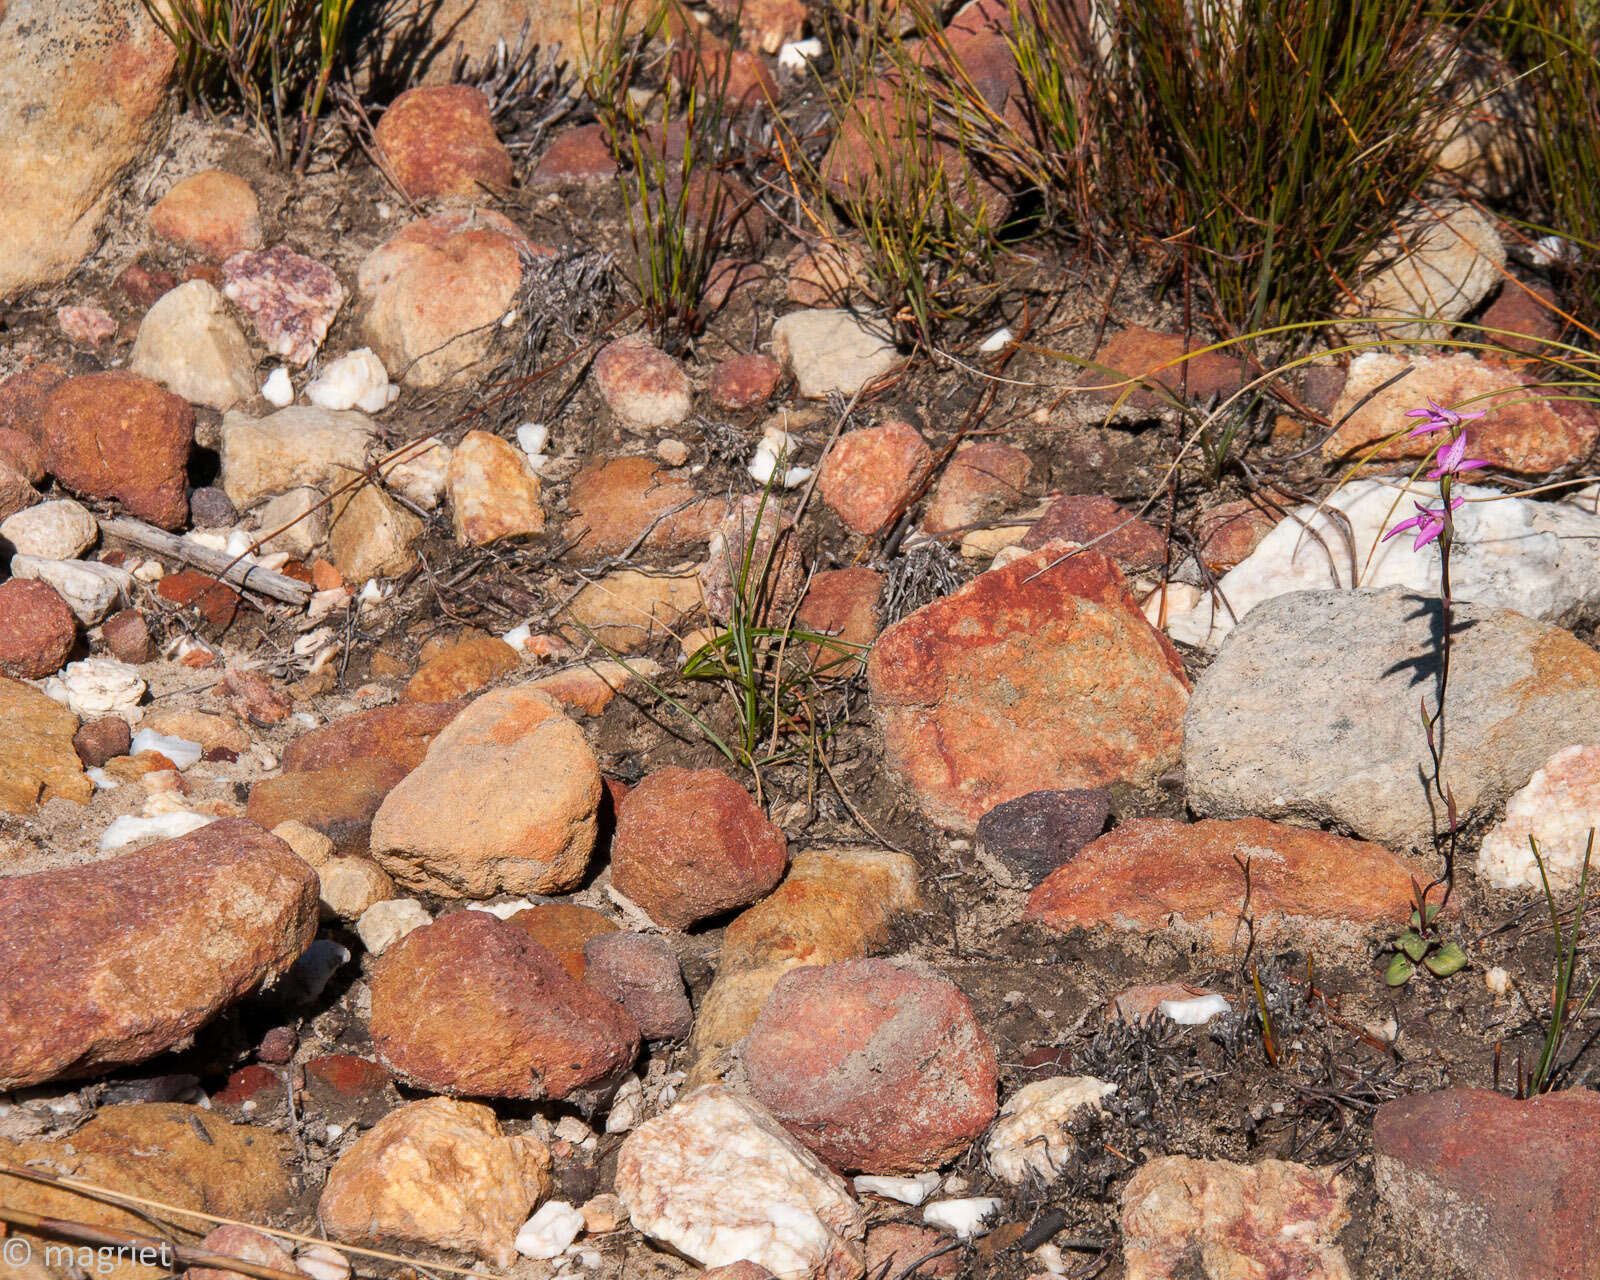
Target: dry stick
165, 1250
218, 563
106, 1195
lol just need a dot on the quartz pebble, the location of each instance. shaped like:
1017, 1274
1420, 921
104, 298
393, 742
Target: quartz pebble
91, 589
912, 1191
384, 923
550, 1231
168, 826
965, 1217
1031, 1135
354, 381
59, 530
98, 687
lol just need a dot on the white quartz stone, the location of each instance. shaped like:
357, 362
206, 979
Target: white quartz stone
1559, 807
719, 1180
1030, 1136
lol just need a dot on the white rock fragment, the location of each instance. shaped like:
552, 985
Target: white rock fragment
996, 341
1195, 1012
98, 687
1559, 807
309, 976
418, 473
278, 390
964, 1217
519, 636
627, 1107
180, 751
102, 780
384, 923
719, 1180
319, 1261
1497, 980
911, 1191
1546, 251
550, 1231
354, 381
502, 910
532, 437
91, 589
168, 826
1539, 559
777, 446
59, 530
1030, 1136
797, 55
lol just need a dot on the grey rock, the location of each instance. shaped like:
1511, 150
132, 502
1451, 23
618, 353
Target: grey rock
1311, 712
640, 972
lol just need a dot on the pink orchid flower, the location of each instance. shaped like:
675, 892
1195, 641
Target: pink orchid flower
1453, 460
1429, 523
1439, 419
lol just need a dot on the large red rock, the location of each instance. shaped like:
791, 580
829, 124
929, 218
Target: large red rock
642, 384
471, 1005
117, 435
691, 844
876, 1065
114, 962
1498, 1188
1155, 874
400, 733
36, 629
869, 475
1040, 676
439, 140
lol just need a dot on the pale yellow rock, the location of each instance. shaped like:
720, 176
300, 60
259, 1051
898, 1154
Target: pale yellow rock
296, 446
493, 491
505, 801
189, 343
348, 886
371, 535
626, 607
437, 1172
310, 844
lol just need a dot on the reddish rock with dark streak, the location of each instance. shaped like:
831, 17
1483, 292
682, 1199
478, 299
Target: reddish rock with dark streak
983, 479
343, 1088
1501, 1189
117, 435
895, 1247
439, 140
1151, 356
23, 396
340, 801
471, 1006
1527, 309
251, 1084
251, 697
22, 453
400, 733
112, 963
1100, 523
744, 382
37, 629
842, 603
1155, 875
1231, 531
615, 502
1040, 676
878, 1066
691, 844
